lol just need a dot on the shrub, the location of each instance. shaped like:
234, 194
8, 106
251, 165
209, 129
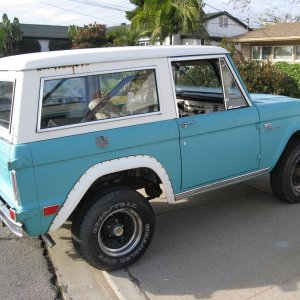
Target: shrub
59, 45
292, 70
266, 78
90, 36
29, 46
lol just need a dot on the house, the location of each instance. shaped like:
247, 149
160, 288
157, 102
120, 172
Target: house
278, 42
218, 25
42, 35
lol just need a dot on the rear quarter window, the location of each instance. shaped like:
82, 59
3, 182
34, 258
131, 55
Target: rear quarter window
76, 100
6, 98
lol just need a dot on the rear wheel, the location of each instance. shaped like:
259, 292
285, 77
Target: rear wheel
285, 177
115, 230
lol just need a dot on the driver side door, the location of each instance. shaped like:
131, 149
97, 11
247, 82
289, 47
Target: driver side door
219, 136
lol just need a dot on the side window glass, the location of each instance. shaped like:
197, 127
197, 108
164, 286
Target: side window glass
198, 86
232, 93
6, 98
205, 86
75, 100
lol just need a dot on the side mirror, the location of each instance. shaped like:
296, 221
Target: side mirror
182, 69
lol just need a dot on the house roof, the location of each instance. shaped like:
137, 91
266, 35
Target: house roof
44, 31
77, 57
210, 16
276, 32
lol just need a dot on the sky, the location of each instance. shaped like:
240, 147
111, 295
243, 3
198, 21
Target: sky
111, 12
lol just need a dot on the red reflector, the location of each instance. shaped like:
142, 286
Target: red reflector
12, 214
50, 210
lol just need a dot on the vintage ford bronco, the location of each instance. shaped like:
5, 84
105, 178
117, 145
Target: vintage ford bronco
83, 132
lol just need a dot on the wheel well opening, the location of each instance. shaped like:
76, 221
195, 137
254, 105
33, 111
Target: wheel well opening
295, 136
138, 178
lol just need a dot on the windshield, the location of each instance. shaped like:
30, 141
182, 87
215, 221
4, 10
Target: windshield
6, 97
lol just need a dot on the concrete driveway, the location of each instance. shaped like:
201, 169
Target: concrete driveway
235, 243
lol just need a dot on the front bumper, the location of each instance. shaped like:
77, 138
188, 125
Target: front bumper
15, 227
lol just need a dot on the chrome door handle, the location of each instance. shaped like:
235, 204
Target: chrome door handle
186, 124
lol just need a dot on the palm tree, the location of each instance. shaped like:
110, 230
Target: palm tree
162, 18
11, 36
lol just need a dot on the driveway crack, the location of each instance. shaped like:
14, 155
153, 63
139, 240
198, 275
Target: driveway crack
138, 284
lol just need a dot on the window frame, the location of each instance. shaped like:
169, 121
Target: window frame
297, 59
286, 59
226, 100
221, 22
260, 53
207, 57
225, 22
6, 132
92, 122
293, 57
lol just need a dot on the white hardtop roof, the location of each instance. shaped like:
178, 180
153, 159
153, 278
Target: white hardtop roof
75, 57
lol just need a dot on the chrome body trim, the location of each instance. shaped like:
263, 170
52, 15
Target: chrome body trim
219, 184
15, 227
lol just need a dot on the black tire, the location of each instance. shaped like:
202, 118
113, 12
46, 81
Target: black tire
285, 177
114, 230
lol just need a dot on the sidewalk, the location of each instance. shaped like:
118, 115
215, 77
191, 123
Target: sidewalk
235, 243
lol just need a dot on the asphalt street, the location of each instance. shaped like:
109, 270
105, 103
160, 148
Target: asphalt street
24, 269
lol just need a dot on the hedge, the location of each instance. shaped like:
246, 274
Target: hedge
292, 70
268, 78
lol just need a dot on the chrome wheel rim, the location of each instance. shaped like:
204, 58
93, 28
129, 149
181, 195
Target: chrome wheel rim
120, 232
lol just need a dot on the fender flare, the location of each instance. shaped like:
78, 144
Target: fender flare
105, 168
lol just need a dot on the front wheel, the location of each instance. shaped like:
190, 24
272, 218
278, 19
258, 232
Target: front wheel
285, 177
115, 230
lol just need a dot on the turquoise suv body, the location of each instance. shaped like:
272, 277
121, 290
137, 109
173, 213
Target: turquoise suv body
98, 133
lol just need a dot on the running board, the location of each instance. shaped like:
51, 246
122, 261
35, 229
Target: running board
220, 184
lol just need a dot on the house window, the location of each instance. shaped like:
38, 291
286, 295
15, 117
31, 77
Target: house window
226, 22
221, 22
256, 52
297, 53
273, 52
144, 43
283, 52
266, 53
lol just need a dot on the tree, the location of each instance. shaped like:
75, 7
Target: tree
246, 3
90, 36
29, 46
277, 15
2, 41
228, 45
139, 4
72, 30
120, 36
10, 36
162, 18
273, 14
